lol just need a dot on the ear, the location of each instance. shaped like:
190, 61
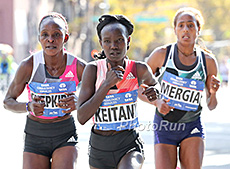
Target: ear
100, 42
174, 30
66, 38
129, 38
199, 30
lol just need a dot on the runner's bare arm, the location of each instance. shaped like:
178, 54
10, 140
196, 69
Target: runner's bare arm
212, 83
156, 58
17, 86
147, 81
89, 100
156, 61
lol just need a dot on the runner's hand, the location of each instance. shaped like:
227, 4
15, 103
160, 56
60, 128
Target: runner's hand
69, 103
214, 84
37, 106
163, 107
114, 75
150, 92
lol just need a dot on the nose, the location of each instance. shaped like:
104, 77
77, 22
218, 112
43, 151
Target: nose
50, 39
114, 45
186, 28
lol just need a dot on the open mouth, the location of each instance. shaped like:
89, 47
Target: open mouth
51, 47
114, 53
185, 37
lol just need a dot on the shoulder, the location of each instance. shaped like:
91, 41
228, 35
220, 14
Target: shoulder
91, 65
159, 51
25, 69
211, 62
90, 71
210, 58
157, 57
140, 64
27, 62
80, 61
142, 67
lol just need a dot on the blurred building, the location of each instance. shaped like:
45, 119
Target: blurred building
19, 21
6, 21
15, 21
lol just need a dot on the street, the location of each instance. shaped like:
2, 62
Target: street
217, 122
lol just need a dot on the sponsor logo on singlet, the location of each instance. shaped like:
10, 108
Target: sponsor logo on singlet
52, 93
130, 76
184, 94
69, 74
197, 76
117, 112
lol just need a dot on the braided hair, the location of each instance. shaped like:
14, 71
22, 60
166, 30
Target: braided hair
55, 15
108, 19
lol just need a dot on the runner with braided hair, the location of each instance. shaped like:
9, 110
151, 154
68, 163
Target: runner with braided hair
109, 95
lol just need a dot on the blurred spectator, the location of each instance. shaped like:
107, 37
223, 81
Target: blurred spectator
4, 64
223, 68
7, 65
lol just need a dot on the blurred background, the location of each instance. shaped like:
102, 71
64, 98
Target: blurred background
152, 19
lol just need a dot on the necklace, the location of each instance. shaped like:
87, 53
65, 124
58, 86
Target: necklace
186, 55
53, 71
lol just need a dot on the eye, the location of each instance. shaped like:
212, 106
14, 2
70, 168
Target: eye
190, 25
180, 25
44, 34
57, 34
120, 40
106, 41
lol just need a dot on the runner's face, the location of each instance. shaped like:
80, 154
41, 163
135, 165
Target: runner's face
52, 35
186, 28
114, 41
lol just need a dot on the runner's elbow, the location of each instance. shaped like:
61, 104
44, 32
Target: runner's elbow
5, 103
81, 119
212, 106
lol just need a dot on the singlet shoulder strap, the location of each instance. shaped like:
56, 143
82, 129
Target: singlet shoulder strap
101, 72
37, 59
70, 58
167, 54
204, 62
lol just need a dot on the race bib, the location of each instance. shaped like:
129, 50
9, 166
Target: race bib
51, 93
184, 94
117, 112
